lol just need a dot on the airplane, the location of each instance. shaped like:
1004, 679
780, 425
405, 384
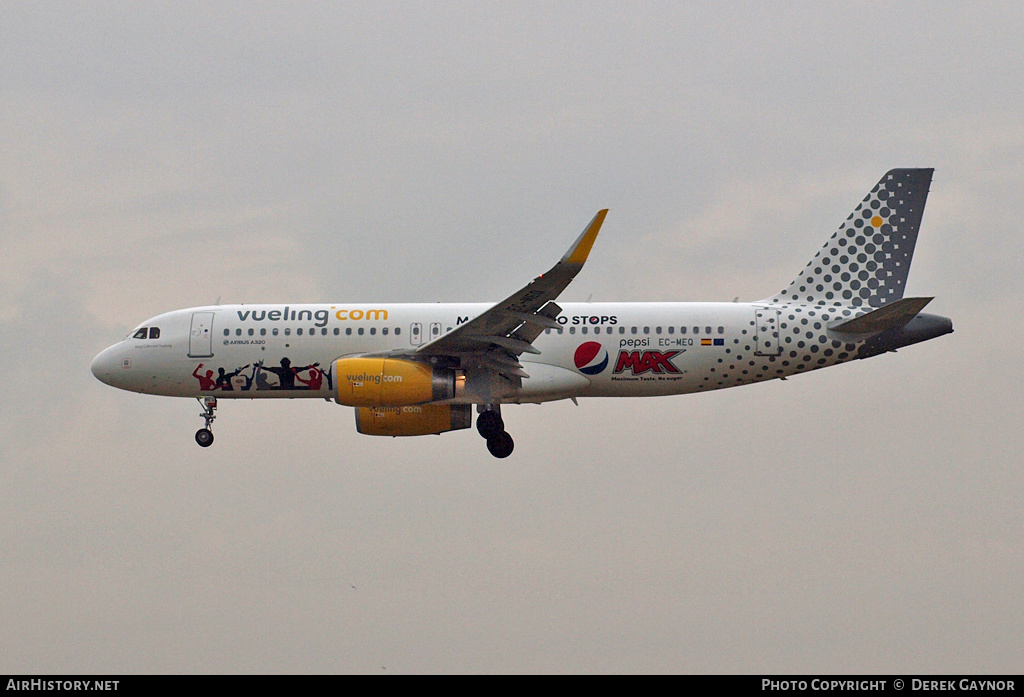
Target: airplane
419, 369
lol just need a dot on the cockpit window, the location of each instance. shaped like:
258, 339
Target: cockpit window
147, 332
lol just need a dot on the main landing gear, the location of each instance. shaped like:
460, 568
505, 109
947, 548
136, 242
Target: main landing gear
490, 426
204, 436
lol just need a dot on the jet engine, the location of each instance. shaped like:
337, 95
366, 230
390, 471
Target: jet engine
422, 420
390, 382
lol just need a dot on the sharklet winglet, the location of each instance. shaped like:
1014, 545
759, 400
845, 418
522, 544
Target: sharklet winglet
580, 249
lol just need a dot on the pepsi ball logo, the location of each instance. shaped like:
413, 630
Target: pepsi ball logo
591, 358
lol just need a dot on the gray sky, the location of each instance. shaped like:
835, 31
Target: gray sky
155, 156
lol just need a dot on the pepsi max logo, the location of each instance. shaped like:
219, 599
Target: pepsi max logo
591, 358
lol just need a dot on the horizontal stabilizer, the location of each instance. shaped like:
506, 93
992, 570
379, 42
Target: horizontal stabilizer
895, 315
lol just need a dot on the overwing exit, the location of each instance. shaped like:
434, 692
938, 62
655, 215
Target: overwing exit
420, 369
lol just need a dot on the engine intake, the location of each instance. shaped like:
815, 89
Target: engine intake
413, 420
389, 382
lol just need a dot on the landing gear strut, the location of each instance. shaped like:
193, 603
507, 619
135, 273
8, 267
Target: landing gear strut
204, 436
491, 427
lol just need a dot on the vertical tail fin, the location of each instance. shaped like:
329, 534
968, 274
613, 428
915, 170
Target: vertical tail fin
867, 260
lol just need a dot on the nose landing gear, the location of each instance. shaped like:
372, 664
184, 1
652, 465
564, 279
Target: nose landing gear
492, 428
204, 436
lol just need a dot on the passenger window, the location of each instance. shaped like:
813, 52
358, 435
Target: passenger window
288, 331
251, 331
707, 330
360, 331
671, 330
141, 334
238, 332
373, 331
298, 332
274, 331
263, 331
682, 330
227, 332
384, 331
647, 330
398, 330
632, 330
583, 330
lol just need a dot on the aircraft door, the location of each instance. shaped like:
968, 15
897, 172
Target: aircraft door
766, 332
435, 330
416, 334
200, 338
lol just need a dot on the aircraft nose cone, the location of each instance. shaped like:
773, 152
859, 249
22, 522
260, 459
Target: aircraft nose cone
103, 365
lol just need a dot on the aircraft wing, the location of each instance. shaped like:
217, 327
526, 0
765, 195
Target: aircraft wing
508, 329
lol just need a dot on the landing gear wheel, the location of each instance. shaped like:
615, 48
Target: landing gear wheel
204, 437
489, 424
500, 445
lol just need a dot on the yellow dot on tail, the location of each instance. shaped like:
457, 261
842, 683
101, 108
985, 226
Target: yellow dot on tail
877, 221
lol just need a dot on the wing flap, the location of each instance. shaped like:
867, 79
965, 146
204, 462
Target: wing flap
532, 326
514, 345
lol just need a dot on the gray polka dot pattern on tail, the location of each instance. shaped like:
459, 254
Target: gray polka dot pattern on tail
863, 266
865, 263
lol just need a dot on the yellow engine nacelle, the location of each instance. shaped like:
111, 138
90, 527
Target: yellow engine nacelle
389, 382
422, 420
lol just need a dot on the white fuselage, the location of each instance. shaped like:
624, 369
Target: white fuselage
601, 349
